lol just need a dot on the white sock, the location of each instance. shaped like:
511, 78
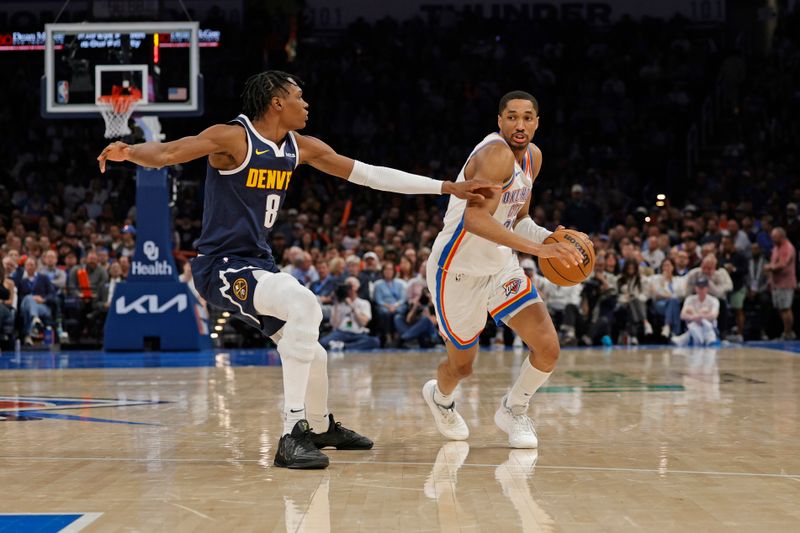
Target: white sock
445, 400
317, 393
528, 382
295, 383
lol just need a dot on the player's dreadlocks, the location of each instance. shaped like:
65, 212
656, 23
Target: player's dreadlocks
261, 88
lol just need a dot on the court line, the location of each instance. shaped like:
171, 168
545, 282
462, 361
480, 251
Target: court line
81, 522
198, 513
660, 471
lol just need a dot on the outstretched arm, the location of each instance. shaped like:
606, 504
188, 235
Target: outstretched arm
220, 139
322, 157
494, 164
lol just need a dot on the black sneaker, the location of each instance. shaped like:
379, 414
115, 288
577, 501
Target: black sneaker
297, 450
340, 438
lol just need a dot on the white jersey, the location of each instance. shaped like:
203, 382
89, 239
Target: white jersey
462, 252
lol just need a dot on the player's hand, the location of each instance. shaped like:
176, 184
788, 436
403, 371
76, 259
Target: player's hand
116, 151
471, 189
565, 252
582, 234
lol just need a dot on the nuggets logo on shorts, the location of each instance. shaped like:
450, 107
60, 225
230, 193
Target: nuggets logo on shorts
512, 286
240, 289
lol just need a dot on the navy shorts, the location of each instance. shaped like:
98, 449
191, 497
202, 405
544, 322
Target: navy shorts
227, 282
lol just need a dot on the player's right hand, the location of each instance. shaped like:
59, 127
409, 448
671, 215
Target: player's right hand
116, 151
476, 189
565, 252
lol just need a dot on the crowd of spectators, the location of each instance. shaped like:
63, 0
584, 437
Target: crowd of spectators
615, 105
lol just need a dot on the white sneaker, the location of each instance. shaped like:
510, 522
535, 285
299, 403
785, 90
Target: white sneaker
448, 421
515, 422
648, 328
336, 346
37, 327
666, 331
681, 340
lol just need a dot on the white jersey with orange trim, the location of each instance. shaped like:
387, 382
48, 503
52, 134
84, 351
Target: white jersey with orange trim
456, 250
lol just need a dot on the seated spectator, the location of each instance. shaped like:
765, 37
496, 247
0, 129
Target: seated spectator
352, 267
303, 269
632, 298
598, 301
418, 323
682, 263
336, 265
86, 287
128, 245
57, 276
8, 305
736, 264
692, 252
700, 311
36, 294
719, 284
783, 280
87, 280
370, 274
612, 263
390, 297
740, 239
115, 278
349, 320
103, 257
324, 287
125, 266
653, 256
667, 290
405, 269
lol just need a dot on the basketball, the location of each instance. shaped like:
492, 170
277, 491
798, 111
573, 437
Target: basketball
564, 275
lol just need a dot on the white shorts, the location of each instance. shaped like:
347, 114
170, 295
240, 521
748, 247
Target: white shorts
462, 300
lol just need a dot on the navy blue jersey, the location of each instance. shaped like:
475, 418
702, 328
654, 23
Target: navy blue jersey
241, 205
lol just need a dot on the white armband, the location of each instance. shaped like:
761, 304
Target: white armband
391, 180
531, 230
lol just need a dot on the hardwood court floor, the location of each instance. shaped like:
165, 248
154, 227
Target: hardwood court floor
653, 439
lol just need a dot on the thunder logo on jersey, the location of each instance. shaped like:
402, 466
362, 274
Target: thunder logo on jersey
260, 178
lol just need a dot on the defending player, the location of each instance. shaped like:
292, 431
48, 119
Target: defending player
473, 268
250, 164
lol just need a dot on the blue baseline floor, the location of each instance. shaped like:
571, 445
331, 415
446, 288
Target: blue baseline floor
33, 360
38, 523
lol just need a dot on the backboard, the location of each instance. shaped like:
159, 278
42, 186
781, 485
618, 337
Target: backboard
86, 61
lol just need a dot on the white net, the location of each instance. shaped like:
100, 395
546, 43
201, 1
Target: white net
116, 112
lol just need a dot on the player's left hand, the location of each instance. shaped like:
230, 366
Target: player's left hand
116, 151
471, 189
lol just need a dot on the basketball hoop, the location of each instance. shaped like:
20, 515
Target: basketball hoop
117, 108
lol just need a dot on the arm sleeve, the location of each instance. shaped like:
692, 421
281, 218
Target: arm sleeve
391, 180
531, 230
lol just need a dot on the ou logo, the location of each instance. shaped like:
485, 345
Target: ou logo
150, 250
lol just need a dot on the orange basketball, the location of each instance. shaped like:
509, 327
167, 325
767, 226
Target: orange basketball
560, 274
